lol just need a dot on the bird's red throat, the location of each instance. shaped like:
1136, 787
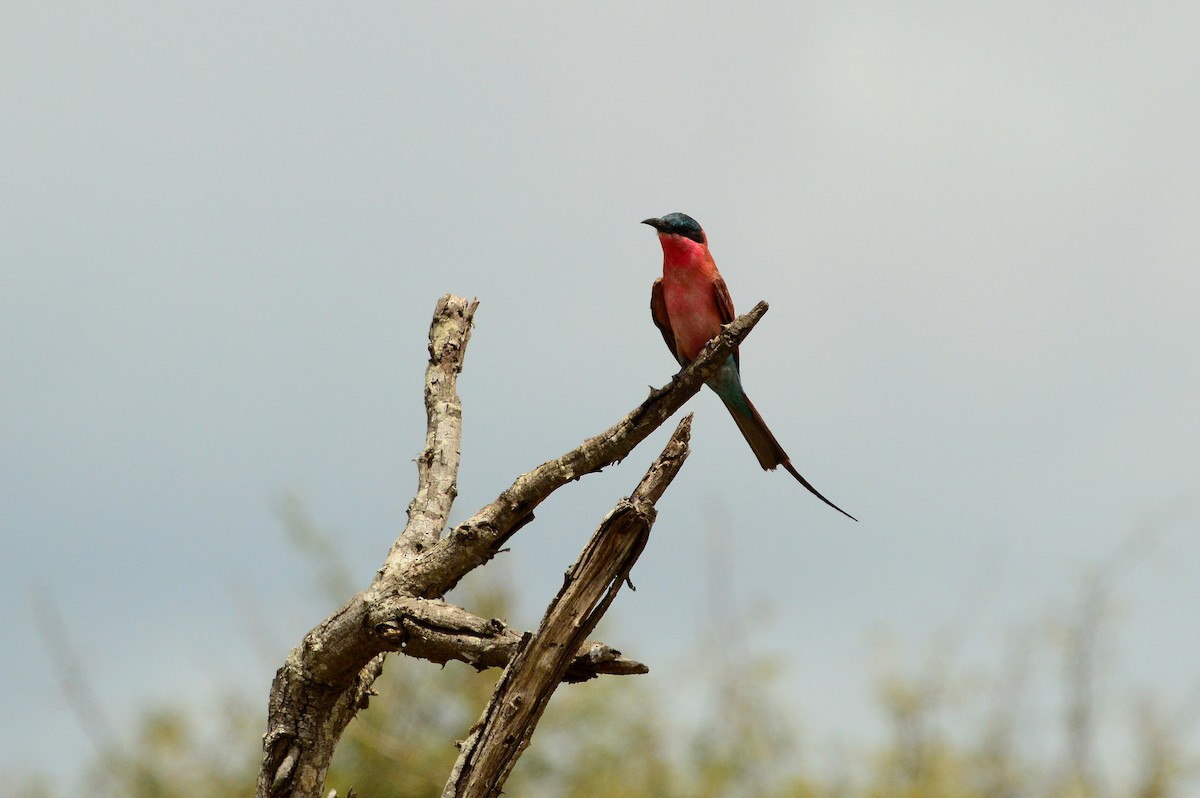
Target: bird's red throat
680, 251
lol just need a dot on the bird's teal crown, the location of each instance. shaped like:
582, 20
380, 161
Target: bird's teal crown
679, 224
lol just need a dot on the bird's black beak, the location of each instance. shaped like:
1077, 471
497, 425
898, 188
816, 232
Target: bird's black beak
657, 224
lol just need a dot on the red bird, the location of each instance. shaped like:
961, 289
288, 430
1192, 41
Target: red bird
689, 304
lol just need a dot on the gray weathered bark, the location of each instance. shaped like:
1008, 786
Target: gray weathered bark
542, 661
327, 678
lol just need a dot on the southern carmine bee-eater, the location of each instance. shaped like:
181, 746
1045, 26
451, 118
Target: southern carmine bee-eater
689, 304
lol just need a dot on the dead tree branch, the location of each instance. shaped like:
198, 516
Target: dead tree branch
328, 677
531, 678
437, 631
476, 540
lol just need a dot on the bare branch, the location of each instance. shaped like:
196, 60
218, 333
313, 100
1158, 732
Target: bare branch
328, 677
476, 540
437, 631
535, 672
437, 465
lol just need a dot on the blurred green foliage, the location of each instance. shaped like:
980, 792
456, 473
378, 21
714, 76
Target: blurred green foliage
949, 735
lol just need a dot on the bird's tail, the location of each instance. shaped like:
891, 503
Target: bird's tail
768, 451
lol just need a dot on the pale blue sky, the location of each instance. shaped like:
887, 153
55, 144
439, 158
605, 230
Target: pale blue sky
223, 228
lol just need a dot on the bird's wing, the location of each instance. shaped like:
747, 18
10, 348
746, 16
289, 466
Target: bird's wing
658, 311
724, 304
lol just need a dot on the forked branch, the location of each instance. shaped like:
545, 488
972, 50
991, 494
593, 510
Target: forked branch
521, 695
327, 678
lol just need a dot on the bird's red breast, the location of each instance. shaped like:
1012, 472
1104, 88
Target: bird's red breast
690, 287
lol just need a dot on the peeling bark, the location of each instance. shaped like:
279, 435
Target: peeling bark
327, 679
